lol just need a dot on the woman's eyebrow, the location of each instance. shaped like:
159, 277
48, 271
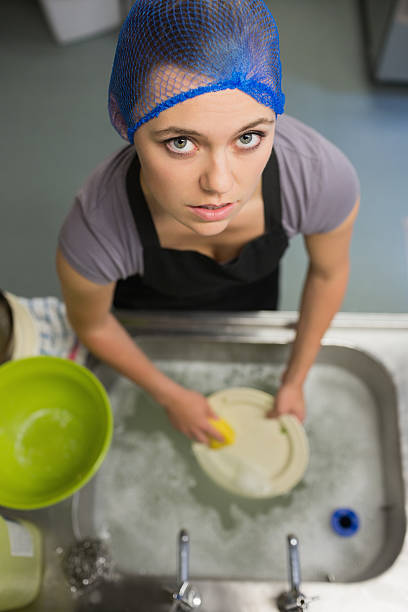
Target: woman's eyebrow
173, 129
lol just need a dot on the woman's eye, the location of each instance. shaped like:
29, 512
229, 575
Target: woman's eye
180, 145
250, 140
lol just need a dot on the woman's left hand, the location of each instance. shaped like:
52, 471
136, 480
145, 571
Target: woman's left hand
289, 400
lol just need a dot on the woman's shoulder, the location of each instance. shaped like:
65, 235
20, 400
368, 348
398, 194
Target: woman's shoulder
98, 237
107, 179
296, 140
319, 184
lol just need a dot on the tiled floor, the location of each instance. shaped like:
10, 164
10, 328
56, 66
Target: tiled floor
55, 129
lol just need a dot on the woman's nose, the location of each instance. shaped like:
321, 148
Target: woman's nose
217, 176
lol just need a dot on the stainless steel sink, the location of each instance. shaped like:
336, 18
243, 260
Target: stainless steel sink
150, 486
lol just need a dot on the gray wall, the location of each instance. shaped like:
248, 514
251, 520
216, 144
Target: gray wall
55, 129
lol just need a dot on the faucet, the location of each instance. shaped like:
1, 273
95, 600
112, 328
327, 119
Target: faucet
186, 597
293, 600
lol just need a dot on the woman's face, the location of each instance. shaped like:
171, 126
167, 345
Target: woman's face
202, 159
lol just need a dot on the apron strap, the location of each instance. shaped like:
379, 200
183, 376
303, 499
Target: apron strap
271, 192
138, 206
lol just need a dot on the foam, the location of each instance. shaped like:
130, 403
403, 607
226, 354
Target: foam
150, 485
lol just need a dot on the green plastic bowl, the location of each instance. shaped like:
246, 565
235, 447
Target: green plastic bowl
55, 430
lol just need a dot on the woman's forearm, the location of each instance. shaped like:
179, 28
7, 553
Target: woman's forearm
89, 312
321, 299
187, 409
111, 343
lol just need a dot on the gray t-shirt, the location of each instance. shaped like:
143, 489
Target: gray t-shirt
319, 188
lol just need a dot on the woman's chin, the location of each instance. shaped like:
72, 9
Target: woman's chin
209, 228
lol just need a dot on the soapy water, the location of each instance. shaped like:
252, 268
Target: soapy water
150, 485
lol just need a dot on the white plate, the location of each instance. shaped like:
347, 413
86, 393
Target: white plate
269, 456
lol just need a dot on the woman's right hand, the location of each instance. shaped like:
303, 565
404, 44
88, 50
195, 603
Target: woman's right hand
189, 412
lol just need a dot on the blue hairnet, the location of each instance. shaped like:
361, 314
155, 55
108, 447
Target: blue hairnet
172, 50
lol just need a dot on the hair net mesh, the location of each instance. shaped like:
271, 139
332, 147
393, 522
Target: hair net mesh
172, 50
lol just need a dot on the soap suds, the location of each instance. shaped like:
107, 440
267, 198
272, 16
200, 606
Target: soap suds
150, 486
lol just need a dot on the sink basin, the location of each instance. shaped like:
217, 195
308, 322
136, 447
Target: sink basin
150, 485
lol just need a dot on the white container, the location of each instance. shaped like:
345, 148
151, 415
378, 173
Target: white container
72, 20
21, 563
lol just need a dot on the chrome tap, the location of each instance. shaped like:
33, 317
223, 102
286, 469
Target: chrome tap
183, 556
187, 597
293, 600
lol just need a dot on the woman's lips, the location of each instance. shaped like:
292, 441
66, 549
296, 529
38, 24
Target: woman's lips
209, 212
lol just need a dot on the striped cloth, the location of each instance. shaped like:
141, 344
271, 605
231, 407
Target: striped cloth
56, 336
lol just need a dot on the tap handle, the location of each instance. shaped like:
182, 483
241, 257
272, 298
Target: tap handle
183, 556
294, 563
293, 600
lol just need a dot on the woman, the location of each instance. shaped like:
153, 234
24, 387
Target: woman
197, 211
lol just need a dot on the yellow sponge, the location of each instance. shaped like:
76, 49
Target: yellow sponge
226, 430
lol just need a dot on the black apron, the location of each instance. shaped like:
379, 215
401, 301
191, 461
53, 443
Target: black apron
188, 280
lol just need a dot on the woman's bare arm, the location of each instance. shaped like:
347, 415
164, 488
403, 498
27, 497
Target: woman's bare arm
323, 292
89, 312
